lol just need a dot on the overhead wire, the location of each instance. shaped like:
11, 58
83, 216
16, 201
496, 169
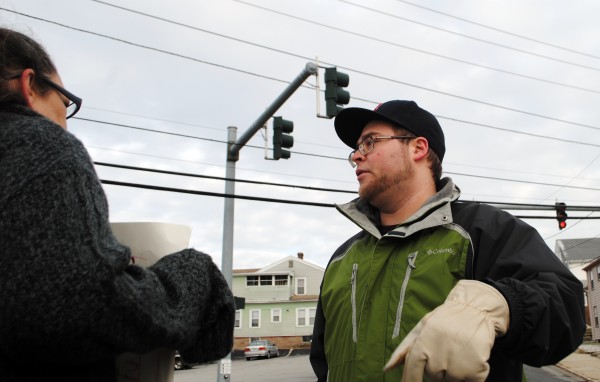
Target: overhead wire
345, 191
271, 78
503, 206
419, 50
283, 81
500, 30
467, 36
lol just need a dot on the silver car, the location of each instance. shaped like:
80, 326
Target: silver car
261, 348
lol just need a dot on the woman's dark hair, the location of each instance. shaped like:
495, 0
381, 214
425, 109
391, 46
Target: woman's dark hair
17, 53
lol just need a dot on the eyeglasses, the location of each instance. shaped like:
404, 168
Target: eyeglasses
75, 102
368, 145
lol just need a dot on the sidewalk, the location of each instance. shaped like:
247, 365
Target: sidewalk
583, 365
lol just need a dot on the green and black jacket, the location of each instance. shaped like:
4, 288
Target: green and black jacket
377, 287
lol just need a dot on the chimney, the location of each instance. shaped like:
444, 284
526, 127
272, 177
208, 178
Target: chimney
301, 255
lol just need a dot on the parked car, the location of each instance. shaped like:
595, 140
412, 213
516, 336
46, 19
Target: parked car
180, 363
261, 348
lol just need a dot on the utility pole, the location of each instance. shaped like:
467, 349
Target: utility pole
233, 155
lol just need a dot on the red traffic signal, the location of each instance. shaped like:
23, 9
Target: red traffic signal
561, 215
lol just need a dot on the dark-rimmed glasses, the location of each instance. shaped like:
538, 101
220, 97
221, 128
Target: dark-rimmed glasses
368, 145
75, 102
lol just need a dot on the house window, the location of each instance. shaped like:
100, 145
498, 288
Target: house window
238, 319
598, 271
592, 283
276, 315
596, 316
305, 316
251, 280
281, 280
301, 285
306, 338
291, 264
255, 318
266, 280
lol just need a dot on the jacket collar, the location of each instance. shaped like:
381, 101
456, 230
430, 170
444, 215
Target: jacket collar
436, 211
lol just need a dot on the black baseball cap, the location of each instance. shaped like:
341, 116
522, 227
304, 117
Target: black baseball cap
351, 121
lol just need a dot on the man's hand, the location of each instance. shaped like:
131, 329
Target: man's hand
453, 342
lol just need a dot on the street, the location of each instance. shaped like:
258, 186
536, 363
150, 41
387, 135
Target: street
292, 368
297, 368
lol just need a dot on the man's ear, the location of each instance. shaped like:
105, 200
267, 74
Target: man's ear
420, 148
26, 81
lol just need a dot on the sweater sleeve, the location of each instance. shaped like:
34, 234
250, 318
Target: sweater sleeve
545, 299
68, 292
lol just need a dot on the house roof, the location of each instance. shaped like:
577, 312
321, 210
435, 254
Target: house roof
591, 265
577, 250
269, 267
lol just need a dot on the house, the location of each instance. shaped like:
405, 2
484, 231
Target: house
577, 254
280, 302
593, 295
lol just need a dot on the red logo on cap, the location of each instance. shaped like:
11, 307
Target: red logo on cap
377, 107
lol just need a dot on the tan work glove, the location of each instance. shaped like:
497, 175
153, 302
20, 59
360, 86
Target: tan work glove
453, 342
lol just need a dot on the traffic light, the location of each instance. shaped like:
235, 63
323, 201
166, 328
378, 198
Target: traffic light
334, 93
282, 141
561, 215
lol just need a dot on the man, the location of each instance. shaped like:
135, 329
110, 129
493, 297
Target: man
70, 299
435, 287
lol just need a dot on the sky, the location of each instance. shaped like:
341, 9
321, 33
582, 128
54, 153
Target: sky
514, 84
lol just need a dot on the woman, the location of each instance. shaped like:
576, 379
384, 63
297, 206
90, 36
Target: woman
70, 299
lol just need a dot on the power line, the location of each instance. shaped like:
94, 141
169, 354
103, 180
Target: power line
469, 37
324, 156
154, 118
516, 205
216, 194
337, 158
471, 99
503, 206
300, 152
149, 130
142, 46
222, 178
283, 81
420, 50
523, 181
499, 30
216, 165
300, 176
195, 137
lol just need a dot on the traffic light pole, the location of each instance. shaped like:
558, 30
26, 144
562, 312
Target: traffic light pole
233, 155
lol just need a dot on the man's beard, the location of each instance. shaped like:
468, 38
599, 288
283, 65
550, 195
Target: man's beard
377, 187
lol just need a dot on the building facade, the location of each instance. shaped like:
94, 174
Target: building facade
593, 296
280, 302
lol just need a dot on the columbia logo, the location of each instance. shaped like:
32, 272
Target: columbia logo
441, 251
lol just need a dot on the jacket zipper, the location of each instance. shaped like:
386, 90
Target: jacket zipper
411, 265
353, 301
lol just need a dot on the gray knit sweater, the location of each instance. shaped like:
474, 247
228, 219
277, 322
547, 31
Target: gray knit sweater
70, 300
